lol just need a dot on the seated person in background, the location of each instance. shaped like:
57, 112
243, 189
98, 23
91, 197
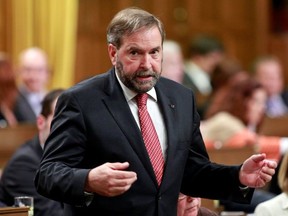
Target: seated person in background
190, 206
205, 53
8, 93
269, 72
18, 176
34, 75
173, 63
234, 120
279, 204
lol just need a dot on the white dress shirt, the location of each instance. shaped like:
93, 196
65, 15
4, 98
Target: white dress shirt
153, 109
200, 78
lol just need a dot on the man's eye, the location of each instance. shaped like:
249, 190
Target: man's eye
133, 53
155, 52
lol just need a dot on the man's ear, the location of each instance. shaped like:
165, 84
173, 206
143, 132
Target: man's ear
112, 50
40, 122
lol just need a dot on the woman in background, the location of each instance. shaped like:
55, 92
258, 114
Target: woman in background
233, 120
8, 92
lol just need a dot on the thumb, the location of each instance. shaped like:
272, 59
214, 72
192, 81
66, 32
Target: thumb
258, 157
119, 166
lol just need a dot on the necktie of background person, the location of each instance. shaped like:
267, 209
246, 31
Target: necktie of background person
150, 137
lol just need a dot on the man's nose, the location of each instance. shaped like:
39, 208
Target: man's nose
146, 62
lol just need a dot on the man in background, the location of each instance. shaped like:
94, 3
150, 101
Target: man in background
269, 72
205, 54
34, 75
18, 176
173, 63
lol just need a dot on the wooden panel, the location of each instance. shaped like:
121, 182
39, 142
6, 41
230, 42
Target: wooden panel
14, 211
241, 25
278, 45
5, 26
12, 138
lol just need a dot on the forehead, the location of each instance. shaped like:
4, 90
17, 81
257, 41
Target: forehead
144, 37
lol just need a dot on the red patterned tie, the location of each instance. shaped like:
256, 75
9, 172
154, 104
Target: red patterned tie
150, 137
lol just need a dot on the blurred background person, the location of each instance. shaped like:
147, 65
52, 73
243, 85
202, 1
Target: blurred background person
8, 92
191, 206
279, 204
205, 52
34, 76
18, 176
173, 63
268, 71
235, 119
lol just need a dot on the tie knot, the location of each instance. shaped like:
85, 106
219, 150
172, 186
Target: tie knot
141, 99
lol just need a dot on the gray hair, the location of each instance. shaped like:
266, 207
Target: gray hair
129, 21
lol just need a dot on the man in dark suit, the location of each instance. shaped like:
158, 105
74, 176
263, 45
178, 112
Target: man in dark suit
34, 76
18, 176
95, 160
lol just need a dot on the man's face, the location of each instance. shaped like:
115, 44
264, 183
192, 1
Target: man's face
270, 76
34, 72
138, 61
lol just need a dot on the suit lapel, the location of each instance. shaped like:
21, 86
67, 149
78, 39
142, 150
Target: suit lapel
119, 109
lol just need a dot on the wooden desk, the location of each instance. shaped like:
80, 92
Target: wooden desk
12, 137
14, 211
231, 156
275, 126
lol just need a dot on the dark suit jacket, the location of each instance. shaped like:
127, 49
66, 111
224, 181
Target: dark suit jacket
23, 110
18, 180
93, 125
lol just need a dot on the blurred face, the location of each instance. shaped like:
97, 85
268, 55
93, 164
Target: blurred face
138, 60
188, 206
256, 106
33, 71
269, 75
173, 66
211, 60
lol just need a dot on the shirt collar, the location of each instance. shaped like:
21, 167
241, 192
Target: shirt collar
129, 94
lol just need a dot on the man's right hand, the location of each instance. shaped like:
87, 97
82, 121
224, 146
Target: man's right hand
110, 179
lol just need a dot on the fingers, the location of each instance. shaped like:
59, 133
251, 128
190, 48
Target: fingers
258, 157
271, 164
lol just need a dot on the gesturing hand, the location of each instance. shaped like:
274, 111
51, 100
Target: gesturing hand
256, 171
110, 179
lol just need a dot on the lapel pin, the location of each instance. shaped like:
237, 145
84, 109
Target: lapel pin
172, 106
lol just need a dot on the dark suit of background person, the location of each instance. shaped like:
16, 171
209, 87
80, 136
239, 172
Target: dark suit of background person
94, 128
18, 176
23, 110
